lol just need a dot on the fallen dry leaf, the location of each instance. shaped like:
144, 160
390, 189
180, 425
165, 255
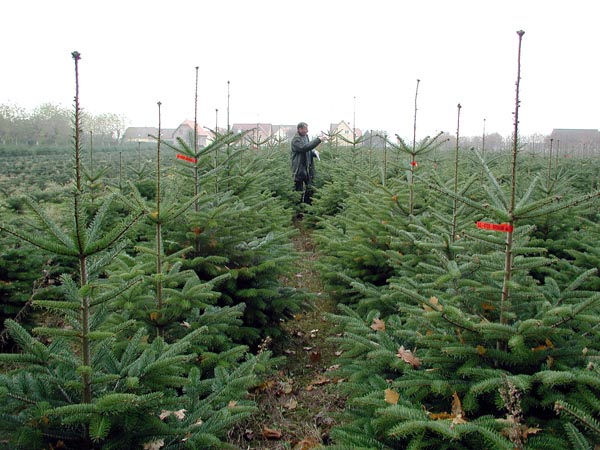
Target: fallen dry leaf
458, 420
317, 382
378, 325
487, 307
306, 444
457, 406
458, 415
391, 396
513, 428
314, 356
270, 433
408, 357
264, 386
436, 304
526, 431
248, 434
440, 416
180, 414
292, 403
548, 344
321, 380
154, 445
284, 387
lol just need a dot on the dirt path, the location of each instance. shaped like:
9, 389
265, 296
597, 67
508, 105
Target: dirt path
301, 403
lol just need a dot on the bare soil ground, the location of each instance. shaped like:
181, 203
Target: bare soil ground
299, 405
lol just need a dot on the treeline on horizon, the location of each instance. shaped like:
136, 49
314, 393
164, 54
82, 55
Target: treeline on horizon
50, 125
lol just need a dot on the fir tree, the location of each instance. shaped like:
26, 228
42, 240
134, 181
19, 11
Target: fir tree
89, 381
477, 349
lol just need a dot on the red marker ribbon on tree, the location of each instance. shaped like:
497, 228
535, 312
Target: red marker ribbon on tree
186, 158
413, 163
507, 228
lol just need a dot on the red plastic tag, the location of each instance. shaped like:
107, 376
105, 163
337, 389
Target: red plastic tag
186, 158
507, 228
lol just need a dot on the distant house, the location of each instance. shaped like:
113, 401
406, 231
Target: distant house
374, 139
144, 134
284, 132
185, 131
580, 142
257, 133
343, 130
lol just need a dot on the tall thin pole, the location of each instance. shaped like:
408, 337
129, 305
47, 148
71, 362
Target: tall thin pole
354, 119
483, 139
228, 127
159, 286
412, 157
415, 118
455, 203
508, 252
196, 182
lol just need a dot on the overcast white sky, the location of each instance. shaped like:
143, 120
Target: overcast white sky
319, 61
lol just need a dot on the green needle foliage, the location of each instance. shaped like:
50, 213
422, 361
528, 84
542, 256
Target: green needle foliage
96, 374
239, 234
461, 338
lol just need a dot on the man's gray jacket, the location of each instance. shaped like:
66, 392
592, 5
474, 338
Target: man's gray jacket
302, 157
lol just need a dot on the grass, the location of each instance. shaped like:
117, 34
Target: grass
298, 405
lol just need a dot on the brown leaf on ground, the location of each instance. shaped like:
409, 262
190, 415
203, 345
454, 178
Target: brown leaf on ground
548, 344
180, 414
391, 396
154, 445
264, 386
515, 430
270, 433
378, 325
314, 356
457, 406
526, 431
459, 420
436, 305
292, 403
306, 444
440, 416
284, 387
408, 357
458, 415
248, 434
320, 380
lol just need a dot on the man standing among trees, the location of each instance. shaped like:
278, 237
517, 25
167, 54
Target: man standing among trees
302, 155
